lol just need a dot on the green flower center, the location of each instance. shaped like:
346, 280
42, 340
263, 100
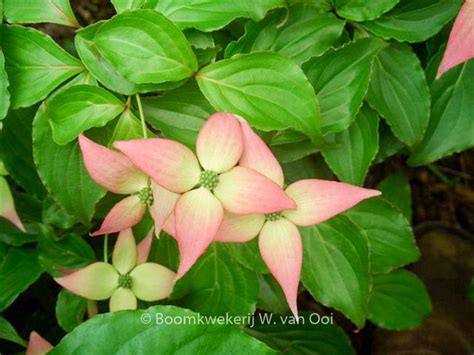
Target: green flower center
125, 281
209, 179
275, 216
146, 196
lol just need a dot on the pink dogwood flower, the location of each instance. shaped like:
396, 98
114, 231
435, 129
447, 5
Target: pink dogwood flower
279, 238
116, 173
37, 345
207, 192
7, 205
460, 47
123, 281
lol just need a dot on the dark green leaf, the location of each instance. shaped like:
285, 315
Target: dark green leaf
363, 10
179, 114
68, 252
451, 127
55, 215
398, 91
396, 189
270, 296
310, 167
70, 310
414, 21
145, 332
336, 266
35, 64
267, 89
65, 177
388, 144
18, 271
399, 300
35, 11
287, 153
103, 71
300, 32
4, 94
392, 243
16, 150
358, 146
309, 336
9, 333
217, 285
248, 255
341, 79
11, 235
145, 47
79, 108
212, 15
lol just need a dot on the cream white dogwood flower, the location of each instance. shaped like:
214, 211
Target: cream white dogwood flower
123, 281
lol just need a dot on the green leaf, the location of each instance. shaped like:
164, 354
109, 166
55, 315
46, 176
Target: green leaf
363, 10
128, 127
208, 15
217, 285
179, 113
35, 64
145, 332
36, 11
270, 296
70, 310
414, 21
11, 235
310, 167
248, 255
55, 215
16, 150
392, 243
145, 47
65, 177
398, 91
267, 89
4, 94
9, 333
341, 78
388, 144
299, 32
336, 266
103, 71
124, 5
18, 271
287, 153
451, 128
79, 108
396, 190
67, 252
309, 336
399, 300
358, 147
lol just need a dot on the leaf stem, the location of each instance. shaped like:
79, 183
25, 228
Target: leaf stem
142, 116
106, 244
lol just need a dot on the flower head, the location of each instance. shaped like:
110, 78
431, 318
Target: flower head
116, 173
7, 205
127, 279
279, 238
460, 46
209, 183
